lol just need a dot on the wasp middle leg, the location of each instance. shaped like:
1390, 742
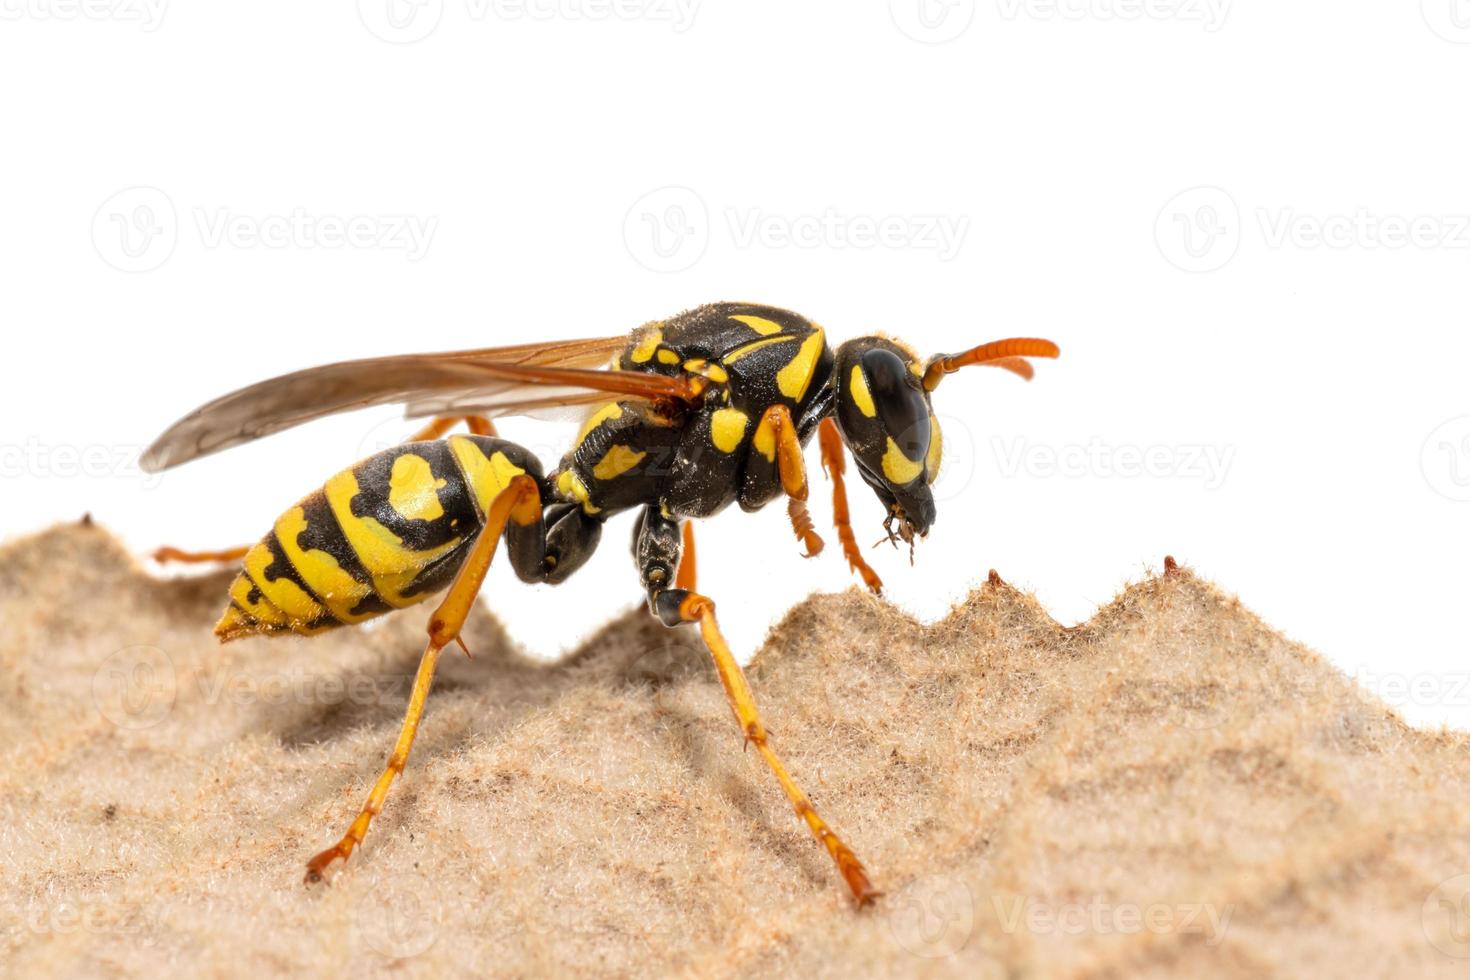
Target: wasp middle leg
656, 547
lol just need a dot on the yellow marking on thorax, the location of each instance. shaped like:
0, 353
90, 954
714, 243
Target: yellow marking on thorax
570, 486
339, 591
617, 461
760, 324
412, 489
752, 347
727, 429
898, 468
487, 476
288, 597
649, 338
705, 369
392, 566
796, 377
936, 450
666, 356
603, 414
857, 386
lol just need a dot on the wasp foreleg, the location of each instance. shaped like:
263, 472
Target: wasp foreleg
518, 504
835, 464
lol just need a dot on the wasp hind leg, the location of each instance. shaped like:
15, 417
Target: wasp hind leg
519, 506
657, 548
477, 424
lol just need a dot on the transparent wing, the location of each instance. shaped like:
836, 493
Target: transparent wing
501, 380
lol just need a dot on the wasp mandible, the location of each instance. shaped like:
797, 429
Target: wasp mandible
682, 418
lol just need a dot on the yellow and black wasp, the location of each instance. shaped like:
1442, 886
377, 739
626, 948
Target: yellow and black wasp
683, 417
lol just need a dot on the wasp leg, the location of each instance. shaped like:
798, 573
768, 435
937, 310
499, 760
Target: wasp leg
657, 549
776, 435
688, 573
834, 463
519, 503
477, 424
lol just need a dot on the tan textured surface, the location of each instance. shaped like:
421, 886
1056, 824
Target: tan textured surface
1170, 789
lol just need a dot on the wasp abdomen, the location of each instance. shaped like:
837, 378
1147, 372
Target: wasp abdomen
383, 534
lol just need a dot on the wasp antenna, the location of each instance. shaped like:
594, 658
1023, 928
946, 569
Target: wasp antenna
1009, 354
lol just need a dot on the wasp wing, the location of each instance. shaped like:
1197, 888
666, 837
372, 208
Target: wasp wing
513, 379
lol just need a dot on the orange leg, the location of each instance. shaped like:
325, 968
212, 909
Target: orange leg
685, 577
695, 608
520, 502
477, 424
835, 465
778, 431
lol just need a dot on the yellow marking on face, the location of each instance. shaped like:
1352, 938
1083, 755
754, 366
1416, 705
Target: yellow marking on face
648, 340
727, 429
487, 476
936, 450
666, 356
603, 414
393, 566
752, 347
898, 468
617, 461
760, 324
857, 386
297, 604
338, 590
412, 489
705, 369
796, 377
571, 486
765, 439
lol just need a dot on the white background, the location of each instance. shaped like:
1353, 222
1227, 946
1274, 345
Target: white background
1245, 224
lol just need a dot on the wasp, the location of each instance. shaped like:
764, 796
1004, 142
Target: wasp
681, 418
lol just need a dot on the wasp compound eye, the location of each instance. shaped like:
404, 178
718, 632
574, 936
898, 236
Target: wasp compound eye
901, 406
